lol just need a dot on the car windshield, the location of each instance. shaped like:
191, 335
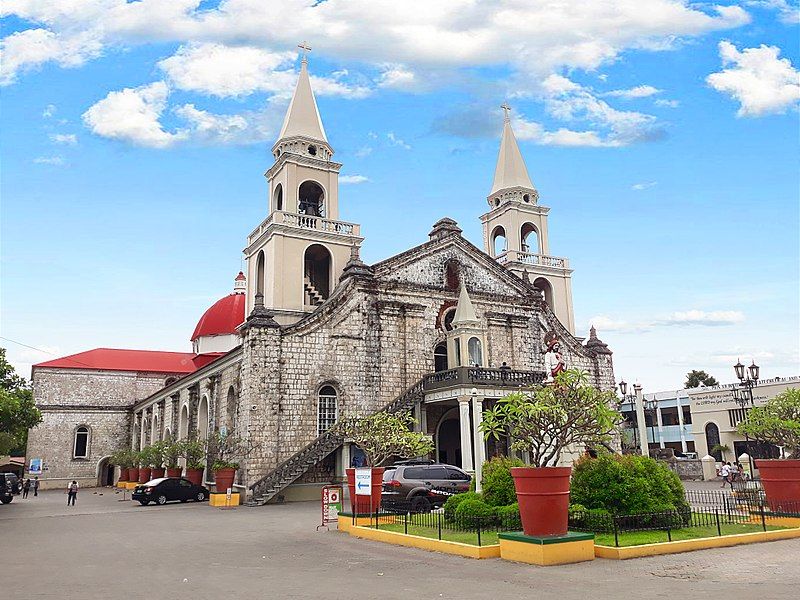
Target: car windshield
155, 482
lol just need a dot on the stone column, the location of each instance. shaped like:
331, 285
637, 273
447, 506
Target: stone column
466, 438
142, 430
640, 420
480, 444
680, 422
345, 458
660, 423
194, 396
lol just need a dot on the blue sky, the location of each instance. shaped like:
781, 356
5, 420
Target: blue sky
662, 135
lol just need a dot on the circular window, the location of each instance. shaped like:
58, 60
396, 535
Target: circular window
312, 150
526, 198
497, 201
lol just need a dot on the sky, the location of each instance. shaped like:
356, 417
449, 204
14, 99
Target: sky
662, 134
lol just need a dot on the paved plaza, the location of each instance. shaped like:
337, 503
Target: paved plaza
108, 548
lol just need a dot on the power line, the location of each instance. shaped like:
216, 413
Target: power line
77, 362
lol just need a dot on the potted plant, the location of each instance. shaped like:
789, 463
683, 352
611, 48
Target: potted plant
194, 451
381, 436
145, 464
722, 449
224, 450
122, 459
544, 422
778, 422
157, 449
173, 450
133, 469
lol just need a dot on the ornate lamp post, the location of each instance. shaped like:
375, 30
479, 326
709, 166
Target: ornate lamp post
637, 400
629, 398
743, 395
651, 409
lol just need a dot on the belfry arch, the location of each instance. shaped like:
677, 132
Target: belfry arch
312, 199
544, 286
277, 197
499, 241
317, 263
529, 236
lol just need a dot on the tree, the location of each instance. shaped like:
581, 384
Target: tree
18, 413
694, 378
383, 435
551, 418
776, 422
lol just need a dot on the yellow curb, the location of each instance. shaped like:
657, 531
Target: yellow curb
222, 499
414, 541
547, 554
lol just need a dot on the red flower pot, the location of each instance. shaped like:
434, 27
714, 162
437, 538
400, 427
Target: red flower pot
223, 479
133, 474
144, 474
174, 472
123, 474
543, 496
781, 481
366, 505
195, 476
156, 472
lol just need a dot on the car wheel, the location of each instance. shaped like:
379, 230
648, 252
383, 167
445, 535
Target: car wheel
6, 500
420, 504
201, 497
144, 502
162, 499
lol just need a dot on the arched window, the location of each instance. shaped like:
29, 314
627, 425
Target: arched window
183, 423
447, 318
457, 351
451, 278
80, 446
499, 243
312, 199
230, 409
544, 286
260, 273
712, 441
326, 411
170, 381
278, 197
317, 274
475, 352
202, 419
440, 357
156, 429
530, 238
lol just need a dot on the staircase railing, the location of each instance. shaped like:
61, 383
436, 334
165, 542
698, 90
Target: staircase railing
293, 467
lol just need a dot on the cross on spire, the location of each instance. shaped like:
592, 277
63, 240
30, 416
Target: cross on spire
306, 49
505, 108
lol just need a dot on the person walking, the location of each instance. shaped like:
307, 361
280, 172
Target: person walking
724, 471
72, 492
26, 487
35, 486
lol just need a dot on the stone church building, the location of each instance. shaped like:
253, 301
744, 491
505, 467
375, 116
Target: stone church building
312, 334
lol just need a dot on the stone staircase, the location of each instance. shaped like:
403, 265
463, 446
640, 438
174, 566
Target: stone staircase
314, 296
269, 486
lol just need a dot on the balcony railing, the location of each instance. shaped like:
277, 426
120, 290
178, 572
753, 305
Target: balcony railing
305, 222
482, 376
528, 258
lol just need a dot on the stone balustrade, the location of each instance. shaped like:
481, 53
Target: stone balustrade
529, 258
289, 219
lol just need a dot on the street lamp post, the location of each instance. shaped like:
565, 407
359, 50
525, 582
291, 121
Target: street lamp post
637, 400
743, 395
651, 408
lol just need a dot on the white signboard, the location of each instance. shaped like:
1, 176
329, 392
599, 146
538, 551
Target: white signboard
363, 482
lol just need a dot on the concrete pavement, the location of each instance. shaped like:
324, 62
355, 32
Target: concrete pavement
106, 548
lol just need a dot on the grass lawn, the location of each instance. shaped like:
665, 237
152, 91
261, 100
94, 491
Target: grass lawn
634, 538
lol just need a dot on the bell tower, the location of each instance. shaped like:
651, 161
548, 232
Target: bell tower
296, 255
515, 229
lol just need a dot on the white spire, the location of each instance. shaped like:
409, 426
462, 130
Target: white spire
302, 118
465, 312
510, 171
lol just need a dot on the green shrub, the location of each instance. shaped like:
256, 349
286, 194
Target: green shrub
473, 513
626, 485
597, 520
496, 481
453, 501
508, 516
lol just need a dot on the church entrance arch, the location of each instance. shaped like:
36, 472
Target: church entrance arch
105, 472
317, 274
448, 438
312, 199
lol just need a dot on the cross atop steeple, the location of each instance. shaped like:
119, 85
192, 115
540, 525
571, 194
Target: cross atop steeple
506, 108
306, 49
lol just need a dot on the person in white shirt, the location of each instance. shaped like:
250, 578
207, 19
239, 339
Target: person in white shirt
72, 493
724, 471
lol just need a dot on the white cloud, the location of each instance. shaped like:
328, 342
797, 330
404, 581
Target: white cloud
68, 139
133, 115
364, 151
50, 160
787, 13
398, 77
49, 111
396, 141
701, 317
352, 179
667, 103
761, 82
605, 323
640, 91
638, 187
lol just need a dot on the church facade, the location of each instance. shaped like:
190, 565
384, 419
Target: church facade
312, 334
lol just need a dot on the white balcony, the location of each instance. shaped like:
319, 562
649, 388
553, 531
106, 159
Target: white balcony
528, 258
287, 219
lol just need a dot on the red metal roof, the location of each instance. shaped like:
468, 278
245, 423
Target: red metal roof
113, 359
224, 316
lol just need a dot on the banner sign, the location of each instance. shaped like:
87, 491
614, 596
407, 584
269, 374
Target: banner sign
35, 466
331, 504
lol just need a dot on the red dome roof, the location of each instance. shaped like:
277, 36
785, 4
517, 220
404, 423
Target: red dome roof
224, 316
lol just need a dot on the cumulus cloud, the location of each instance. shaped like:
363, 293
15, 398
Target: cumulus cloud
68, 139
667, 103
788, 13
353, 179
701, 317
761, 82
50, 160
640, 91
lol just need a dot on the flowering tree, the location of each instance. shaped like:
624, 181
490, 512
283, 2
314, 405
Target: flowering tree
383, 435
777, 422
545, 421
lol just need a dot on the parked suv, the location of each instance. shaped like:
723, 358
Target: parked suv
9, 487
421, 486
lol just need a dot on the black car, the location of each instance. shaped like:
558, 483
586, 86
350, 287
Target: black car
10, 486
164, 489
